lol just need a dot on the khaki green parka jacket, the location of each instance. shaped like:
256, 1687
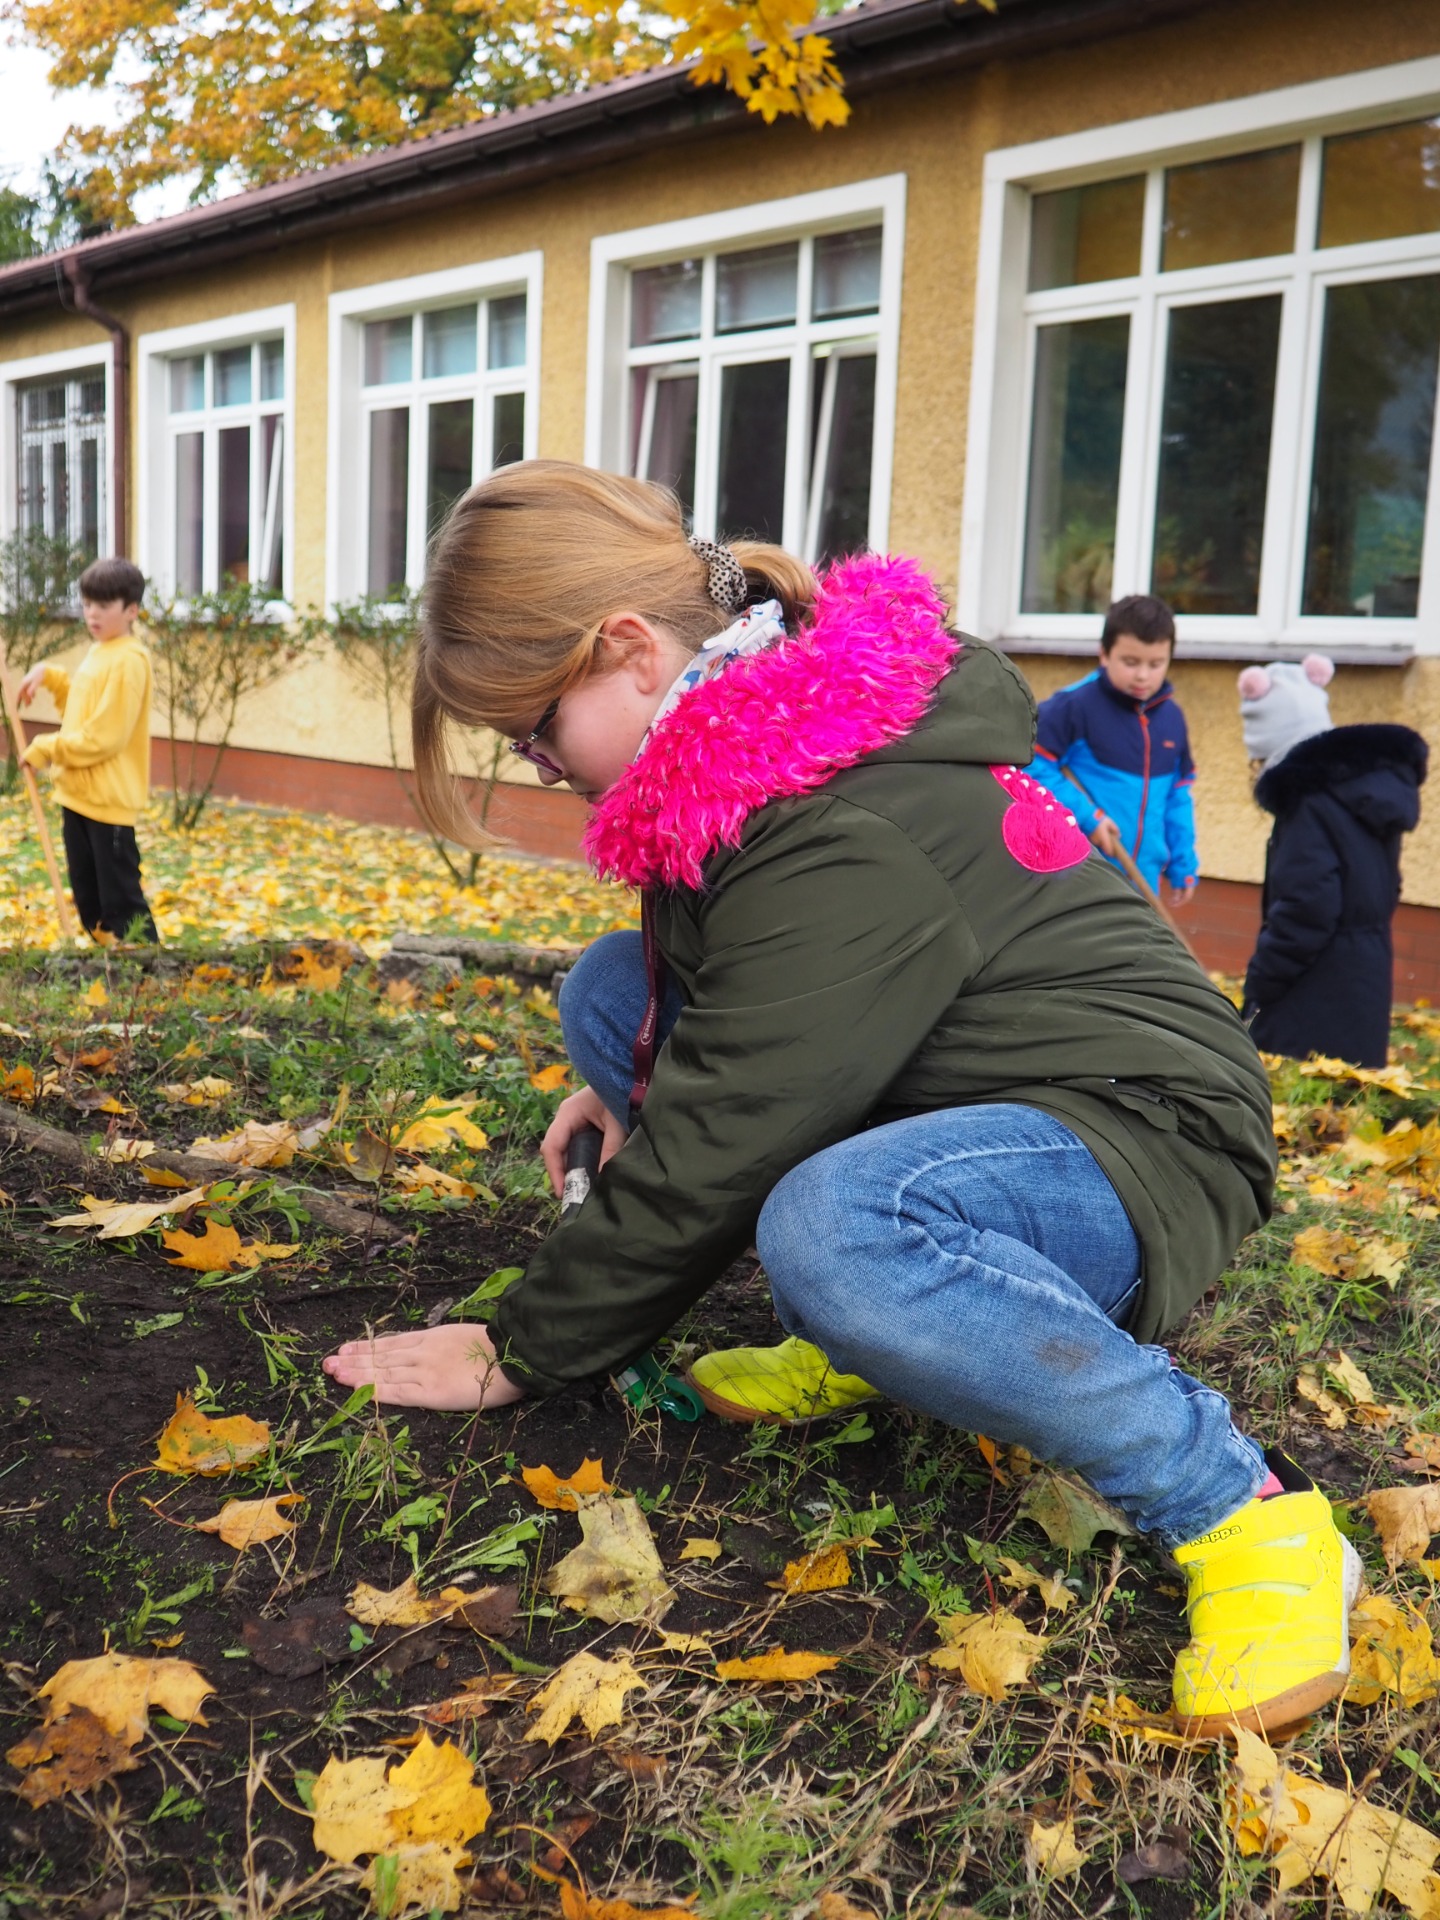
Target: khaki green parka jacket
861, 934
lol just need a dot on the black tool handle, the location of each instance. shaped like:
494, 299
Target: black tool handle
582, 1163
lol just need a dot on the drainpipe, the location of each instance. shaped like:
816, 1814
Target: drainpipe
78, 280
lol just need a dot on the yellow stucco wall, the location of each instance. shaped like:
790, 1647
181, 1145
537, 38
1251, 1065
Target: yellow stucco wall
937, 135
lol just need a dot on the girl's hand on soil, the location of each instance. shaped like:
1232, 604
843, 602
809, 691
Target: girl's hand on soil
452, 1369
577, 1110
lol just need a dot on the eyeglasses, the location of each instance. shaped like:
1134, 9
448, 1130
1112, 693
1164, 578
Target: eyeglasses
527, 750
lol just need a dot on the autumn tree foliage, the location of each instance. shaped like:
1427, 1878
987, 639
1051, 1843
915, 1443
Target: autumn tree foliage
229, 93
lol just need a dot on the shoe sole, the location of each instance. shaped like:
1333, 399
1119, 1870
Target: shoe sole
1288, 1711
742, 1416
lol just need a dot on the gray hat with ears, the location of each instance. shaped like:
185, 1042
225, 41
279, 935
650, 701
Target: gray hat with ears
1283, 704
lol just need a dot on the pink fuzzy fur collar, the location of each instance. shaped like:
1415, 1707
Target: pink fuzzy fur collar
777, 723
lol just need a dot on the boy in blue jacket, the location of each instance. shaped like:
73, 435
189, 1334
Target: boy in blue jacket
1121, 735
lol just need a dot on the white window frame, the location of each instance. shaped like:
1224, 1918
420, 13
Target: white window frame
155, 467
17, 374
1001, 386
351, 403
613, 257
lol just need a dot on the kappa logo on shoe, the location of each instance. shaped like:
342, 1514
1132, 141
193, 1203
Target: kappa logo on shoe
1220, 1533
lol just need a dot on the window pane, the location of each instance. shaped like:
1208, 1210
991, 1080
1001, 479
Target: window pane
847, 273
389, 487
508, 429
235, 505
665, 303
1215, 455
44, 406
270, 567
1380, 185
753, 407
189, 512
449, 341
1075, 465
32, 490
843, 444
232, 377
387, 351
1236, 209
450, 459
507, 332
187, 383
1372, 447
58, 516
756, 289
1086, 233
90, 404
272, 369
666, 407
89, 527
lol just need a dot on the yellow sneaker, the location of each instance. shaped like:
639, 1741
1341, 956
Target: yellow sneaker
780, 1385
1270, 1596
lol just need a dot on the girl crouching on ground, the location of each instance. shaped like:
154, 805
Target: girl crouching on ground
989, 1125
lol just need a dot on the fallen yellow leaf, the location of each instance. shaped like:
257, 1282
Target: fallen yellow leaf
220, 1250
430, 1799
118, 1219
685, 1643
1314, 1831
1406, 1518
440, 1123
423, 1179
615, 1572
193, 1442
259, 1143
246, 1523
1322, 1249
424, 1879
578, 1904
587, 1689
162, 1177
776, 1666
991, 1651
1392, 1653
121, 1151
550, 1079
19, 1086
204, 1092
121, 1689
701, 1550
1127, 1716
816, 1572
1050, 1587
95, 995
403, 1606
550, 1490
1052, 1850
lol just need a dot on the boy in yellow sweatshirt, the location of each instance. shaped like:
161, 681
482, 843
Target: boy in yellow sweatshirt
101, 755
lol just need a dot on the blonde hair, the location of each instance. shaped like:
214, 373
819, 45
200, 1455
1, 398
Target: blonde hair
527, 568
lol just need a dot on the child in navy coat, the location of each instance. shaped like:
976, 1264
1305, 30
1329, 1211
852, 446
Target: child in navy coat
1321, 976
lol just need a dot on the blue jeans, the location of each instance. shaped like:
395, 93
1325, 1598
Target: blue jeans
974, 1264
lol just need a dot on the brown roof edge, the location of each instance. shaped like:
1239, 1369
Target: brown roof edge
879, 45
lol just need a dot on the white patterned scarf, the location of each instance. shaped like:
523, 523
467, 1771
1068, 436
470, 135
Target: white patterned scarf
757, 628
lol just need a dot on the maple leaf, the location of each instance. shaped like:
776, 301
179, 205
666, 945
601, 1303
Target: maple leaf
19, 1086
246, 1523
1052, 1850
550, 1079
1422, 1453
306, 969
441, 1123
162, 1177
778, 1665
1406, 1518
1050, 1587
1308, 1386
615, 1572
118, 1219
120, 1689
1393, 1653
815, 1572
95, 995
1322, 1249
685, 1642
701, 1550
220, 1249
69, 1755
259, 1143
578, 1904
1070, 1513
587, 1689
1314, 1831
405, 1605
121, 1151
838, 1906
421, 1811
423, 1179
992, 1652
1127, 1716
426, 1878
549, 1490
193, 1442
204, 1092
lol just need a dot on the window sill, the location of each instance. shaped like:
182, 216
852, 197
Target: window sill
1347, 653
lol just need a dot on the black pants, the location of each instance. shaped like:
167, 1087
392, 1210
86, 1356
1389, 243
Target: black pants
104, 863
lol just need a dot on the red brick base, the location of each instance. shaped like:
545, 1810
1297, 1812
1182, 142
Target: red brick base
1222, 921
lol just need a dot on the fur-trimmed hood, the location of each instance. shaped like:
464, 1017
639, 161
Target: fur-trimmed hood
779, 723
1375, 771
